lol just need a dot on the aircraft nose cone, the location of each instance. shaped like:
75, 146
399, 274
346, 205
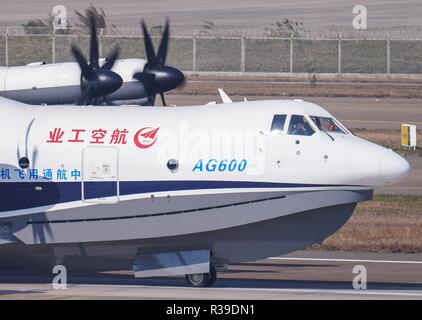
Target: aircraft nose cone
393, 167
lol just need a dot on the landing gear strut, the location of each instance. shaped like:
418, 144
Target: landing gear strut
202, 279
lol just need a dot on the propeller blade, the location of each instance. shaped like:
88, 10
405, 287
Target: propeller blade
18, 154
156, 76
162, 50
94, 53
85, 96
111, 59
149, 48
87, 72
27, 136
34, 151
162, 99
152, 100
96, 82
34, 157
147, 79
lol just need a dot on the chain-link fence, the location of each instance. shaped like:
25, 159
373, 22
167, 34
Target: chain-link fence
205, 50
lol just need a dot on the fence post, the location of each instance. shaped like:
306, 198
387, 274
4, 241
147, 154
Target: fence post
53, 46
291, 53
339, 53
242, 55
7, 47
388, 55
194, 53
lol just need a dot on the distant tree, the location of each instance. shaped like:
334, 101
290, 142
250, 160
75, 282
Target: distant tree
206, 28
286, 29
99, 15
208, 24
37, 26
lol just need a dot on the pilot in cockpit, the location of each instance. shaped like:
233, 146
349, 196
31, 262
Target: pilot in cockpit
299, 127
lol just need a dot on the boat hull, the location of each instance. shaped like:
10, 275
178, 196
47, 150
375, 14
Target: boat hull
251, 230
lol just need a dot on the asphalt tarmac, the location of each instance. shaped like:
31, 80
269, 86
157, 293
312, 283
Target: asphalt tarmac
302, 275
240, 13
355, 113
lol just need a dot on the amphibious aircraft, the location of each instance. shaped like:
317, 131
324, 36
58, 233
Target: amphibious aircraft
153, 190
106, 81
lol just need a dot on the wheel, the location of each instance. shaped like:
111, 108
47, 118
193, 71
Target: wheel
202, 279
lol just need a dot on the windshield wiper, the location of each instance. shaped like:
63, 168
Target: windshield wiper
328, 134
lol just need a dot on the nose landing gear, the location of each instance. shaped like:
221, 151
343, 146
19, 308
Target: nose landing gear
202, 279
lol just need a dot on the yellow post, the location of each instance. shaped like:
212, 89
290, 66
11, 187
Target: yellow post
405, 137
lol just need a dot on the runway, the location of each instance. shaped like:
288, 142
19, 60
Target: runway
411, 185
302, 275
245, 13
355, 113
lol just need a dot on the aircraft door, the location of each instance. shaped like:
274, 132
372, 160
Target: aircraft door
100, 175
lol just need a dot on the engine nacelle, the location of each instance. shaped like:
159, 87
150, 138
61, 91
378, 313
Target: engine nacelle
59, 83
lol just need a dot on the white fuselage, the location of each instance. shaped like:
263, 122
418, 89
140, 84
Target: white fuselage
86, 183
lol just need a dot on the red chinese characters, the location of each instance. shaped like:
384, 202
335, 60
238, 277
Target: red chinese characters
119, 136
76, 135
56, 136
95, 136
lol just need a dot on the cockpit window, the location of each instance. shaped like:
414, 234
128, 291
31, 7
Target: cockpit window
278, 123
327, 124
300, 126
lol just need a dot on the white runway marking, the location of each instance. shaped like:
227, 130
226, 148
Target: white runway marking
278, 290
322, 83
346, 260
351, 291
410, 188
379, 121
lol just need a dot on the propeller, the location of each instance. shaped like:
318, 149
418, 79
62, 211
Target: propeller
157, 77
24, 158
96, 82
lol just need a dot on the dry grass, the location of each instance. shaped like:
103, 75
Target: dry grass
389, 139
269, 86
386, 224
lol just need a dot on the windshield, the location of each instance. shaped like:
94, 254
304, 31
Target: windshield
299, 126
328, 125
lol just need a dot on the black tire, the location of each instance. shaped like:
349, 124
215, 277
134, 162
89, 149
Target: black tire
202, 280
